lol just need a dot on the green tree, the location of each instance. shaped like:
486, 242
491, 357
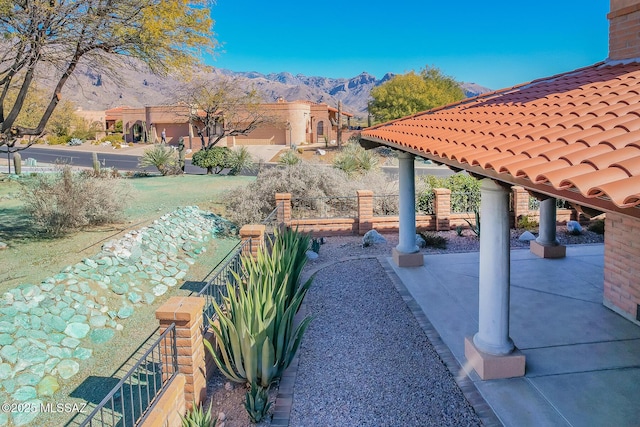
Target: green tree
52, 37
214, 159
411, 93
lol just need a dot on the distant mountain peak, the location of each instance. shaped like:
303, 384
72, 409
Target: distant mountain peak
148, 89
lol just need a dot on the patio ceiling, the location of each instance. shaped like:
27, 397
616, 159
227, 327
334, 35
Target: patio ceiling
574, 136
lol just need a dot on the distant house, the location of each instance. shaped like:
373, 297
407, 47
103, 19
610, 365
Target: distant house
292, 123
574, 136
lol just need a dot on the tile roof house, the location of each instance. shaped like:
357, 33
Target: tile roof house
574, 136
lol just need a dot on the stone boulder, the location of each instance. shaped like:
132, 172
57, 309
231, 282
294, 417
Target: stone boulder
372, 237
527, 236
574, 227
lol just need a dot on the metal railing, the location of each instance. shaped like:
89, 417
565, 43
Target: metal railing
128, 403
216, 287
325, 207
271, 221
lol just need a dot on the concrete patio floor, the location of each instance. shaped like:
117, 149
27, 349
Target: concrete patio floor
582, 359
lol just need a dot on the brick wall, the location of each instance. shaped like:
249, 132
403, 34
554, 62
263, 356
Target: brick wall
365, 221
621, 266
169, 407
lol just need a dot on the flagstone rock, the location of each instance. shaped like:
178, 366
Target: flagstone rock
159, 290
98, 321
125, 312
77, 330
5, 371
70, 342
82, 353
9, 353
26, 418
32, 355
100, 336
48, 386
24, 393
67, 368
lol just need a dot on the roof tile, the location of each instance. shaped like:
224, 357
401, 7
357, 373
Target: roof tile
578, 131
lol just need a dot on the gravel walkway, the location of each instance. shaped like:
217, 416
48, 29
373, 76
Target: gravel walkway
365, 361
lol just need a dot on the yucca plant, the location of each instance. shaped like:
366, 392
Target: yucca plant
164, 158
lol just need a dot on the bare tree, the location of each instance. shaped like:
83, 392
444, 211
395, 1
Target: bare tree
52, 37
223, 107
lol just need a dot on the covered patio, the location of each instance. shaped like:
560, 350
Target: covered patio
583, 360
573, 136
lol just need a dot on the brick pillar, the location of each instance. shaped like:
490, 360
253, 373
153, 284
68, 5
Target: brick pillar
520, 203
186, 313
255, 232
283, 204
365, 211
442, 208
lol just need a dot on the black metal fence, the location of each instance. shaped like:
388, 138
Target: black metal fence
216, 287
128, 403
324, 207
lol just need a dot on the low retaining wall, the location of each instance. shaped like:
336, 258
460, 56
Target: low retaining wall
170, 406
442, 220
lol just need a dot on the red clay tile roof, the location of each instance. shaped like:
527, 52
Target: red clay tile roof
575, 135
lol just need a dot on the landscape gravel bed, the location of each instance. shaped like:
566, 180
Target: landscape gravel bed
366, 361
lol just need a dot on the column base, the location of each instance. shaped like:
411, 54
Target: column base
556, 251
402, 259
490, 367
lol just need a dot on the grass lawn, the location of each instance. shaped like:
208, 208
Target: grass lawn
31, 258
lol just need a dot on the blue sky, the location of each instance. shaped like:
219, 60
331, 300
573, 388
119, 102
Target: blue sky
493, 43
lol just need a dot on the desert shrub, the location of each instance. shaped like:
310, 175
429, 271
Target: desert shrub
239, 160
465, 192
355, 159
434, 240
214, 159
597, 226
252, 203
58, 140
527, 223
165, 159
289, 158
67, 201
112, 138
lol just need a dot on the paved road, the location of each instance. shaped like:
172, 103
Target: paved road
121, 162
125, 162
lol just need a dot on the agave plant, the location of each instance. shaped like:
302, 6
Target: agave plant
197, 417
257, 403
256, 333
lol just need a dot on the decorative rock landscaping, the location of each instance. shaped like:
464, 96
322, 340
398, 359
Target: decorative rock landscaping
46, 329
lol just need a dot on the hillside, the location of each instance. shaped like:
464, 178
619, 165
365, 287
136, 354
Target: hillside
134, 88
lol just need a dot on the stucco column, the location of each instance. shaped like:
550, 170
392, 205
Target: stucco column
493, 321
407, 254
490, 352
546, 245
547, 234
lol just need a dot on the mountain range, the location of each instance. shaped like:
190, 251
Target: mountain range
92, 91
